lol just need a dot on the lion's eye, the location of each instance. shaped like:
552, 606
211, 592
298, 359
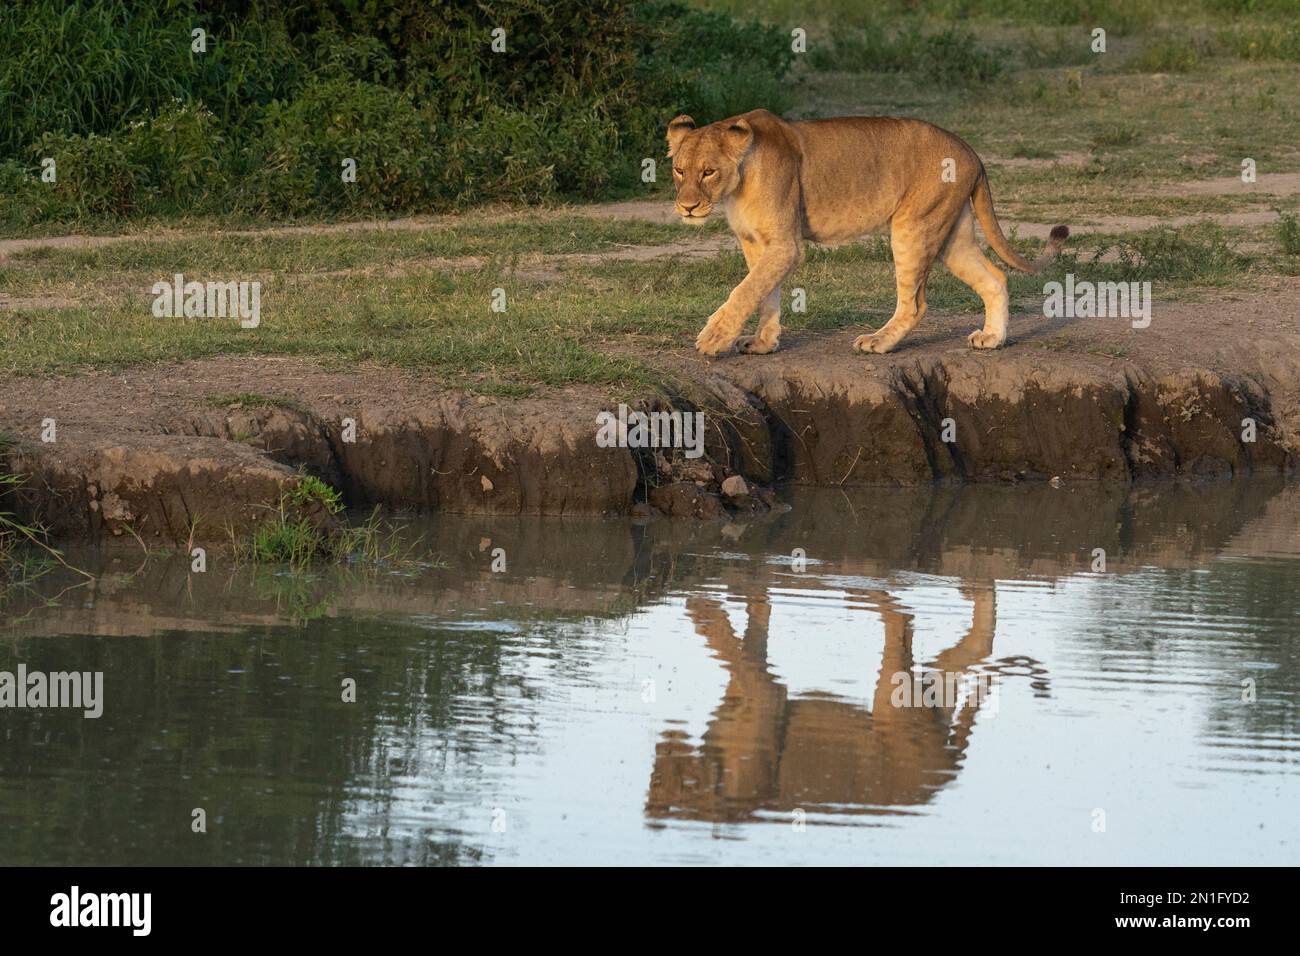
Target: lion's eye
709, 172
677, 170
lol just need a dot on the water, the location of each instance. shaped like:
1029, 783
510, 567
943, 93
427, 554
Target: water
680, 693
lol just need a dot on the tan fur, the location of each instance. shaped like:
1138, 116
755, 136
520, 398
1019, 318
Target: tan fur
766, 750
831, 181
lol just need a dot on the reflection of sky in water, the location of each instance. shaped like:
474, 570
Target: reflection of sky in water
1125, 729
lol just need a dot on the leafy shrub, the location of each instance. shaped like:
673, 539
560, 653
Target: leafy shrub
297, 161
709, 65
84, 68
306, 527
952, 56
180, 153
20, 196
311, 491
141, 124
94, 176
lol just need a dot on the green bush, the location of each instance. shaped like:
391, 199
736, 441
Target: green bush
95, 176
181, 154
297, 160
20, 197
709, 65
84, 68
308, 527
260, 122
176, 157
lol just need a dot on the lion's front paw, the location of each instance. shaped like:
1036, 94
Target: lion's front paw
754, 345
713, 340
876, 342
979, 339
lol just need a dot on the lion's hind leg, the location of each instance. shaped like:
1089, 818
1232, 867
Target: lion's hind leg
966, 260
914, 253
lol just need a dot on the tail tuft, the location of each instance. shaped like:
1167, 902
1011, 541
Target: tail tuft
982, 203
1055, 242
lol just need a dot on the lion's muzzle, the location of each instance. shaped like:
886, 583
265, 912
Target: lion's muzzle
695, 211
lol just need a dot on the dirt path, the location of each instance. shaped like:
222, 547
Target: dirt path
9, 247
661, 211
1273, 184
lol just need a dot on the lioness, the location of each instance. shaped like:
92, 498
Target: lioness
831, 181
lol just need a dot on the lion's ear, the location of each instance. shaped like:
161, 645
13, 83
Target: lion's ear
739, 137
677, 131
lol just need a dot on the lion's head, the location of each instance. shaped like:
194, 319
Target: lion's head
706, 163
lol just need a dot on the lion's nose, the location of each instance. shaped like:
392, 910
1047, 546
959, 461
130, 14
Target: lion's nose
692, 207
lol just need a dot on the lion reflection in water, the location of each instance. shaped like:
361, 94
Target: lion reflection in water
767, 752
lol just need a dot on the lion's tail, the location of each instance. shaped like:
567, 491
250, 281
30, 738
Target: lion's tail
982, 200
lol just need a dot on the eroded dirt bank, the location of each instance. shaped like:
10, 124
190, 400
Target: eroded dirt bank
159, 452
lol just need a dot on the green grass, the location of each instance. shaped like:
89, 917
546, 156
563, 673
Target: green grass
311, 491
1288, 234
308, 528
1169, 54
1031, 151
583, 322
948, 55
300, 544
1115, 134
24, 555
1201, 254
502, 235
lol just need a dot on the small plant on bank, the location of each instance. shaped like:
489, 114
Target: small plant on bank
311, 491
286, 540
21, 546
306, 529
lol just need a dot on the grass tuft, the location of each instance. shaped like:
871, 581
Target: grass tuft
24, 555
1288, 233
251, 400
305, 530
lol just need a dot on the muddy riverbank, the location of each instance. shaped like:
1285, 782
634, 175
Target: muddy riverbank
203, 447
